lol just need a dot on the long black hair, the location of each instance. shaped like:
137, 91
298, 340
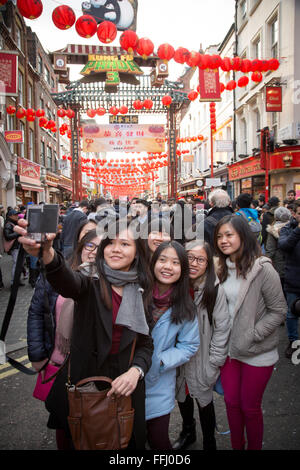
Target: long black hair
75, 261
144, 274
249, 249
183, 307
210, 290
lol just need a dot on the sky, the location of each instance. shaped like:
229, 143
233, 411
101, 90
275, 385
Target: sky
181, 23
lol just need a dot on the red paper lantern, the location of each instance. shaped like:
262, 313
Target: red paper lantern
63, 17
145, 47
91, 113
255, 65
123, 110
215, 62
64, 157
246, 66
107, 32
51, 124
30, 117
243, 81
31, 9
273, 64
70, 113
165, 52
10, 110
100, 111
113, 110
222, 87
61, 112
181, 54
166, 100
129, 41
193, 59
256, 77
40, 113
212, 105
192, 95
42, 121
137, 104
236, 63
86, 26
231, 85
147, 104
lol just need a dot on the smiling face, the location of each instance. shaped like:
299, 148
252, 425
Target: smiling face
155, 238
197, 262
229, 241
167, 269
120, 252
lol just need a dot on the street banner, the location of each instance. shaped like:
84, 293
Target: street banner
8, 73
209, 85
124, 138
273, 99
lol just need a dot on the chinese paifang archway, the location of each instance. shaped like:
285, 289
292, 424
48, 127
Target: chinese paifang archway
81, 96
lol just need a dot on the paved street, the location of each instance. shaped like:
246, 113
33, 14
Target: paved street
23, 419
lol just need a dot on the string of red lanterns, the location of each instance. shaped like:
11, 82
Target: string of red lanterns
64, 18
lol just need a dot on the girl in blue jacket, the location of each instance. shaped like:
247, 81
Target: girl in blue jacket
175, 335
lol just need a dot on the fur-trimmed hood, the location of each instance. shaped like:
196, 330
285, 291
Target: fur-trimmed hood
274, 229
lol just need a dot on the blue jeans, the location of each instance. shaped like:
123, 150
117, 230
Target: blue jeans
291, 320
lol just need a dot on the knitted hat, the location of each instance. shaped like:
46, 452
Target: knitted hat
283, 214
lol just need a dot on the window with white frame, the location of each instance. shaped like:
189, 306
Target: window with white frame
19, 37
21, 146
43, 153
244, 146
49, 158
243, 7
257, 127
30, 96
31, 144
274, 37
275, 125
21, 88
40, 65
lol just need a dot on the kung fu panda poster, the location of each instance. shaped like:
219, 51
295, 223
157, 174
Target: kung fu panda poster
121, 12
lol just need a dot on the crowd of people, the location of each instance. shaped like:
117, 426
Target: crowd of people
204, 309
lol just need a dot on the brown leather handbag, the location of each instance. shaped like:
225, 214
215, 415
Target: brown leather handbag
96, 421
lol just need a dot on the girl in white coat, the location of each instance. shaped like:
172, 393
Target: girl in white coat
175, 335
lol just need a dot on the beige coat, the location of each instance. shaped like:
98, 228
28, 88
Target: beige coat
260, 309
203, 369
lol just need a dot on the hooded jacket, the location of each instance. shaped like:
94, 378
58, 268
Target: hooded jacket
271, 247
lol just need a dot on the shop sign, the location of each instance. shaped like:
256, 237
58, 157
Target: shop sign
29, 172
273, 99
209, 85
245, 169
188, 158
224, 145
8, 73
212, 182
14, 137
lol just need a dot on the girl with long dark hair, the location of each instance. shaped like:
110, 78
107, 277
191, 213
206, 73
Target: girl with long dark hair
256, 306
196, 378
175, 335
110, 313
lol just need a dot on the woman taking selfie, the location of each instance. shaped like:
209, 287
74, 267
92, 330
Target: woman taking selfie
110, 313
175, 335
256, 308
201, 372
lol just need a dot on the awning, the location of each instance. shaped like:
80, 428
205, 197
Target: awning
27, 187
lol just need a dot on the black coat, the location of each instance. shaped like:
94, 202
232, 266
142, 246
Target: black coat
39, 340
10, 234
70, 226
91, 344
289, 243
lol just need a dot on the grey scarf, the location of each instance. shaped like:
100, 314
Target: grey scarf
131, 311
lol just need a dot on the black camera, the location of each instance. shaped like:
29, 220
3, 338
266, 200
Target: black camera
42, 219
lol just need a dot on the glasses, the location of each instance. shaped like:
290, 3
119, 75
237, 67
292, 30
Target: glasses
90, 246
199, 260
